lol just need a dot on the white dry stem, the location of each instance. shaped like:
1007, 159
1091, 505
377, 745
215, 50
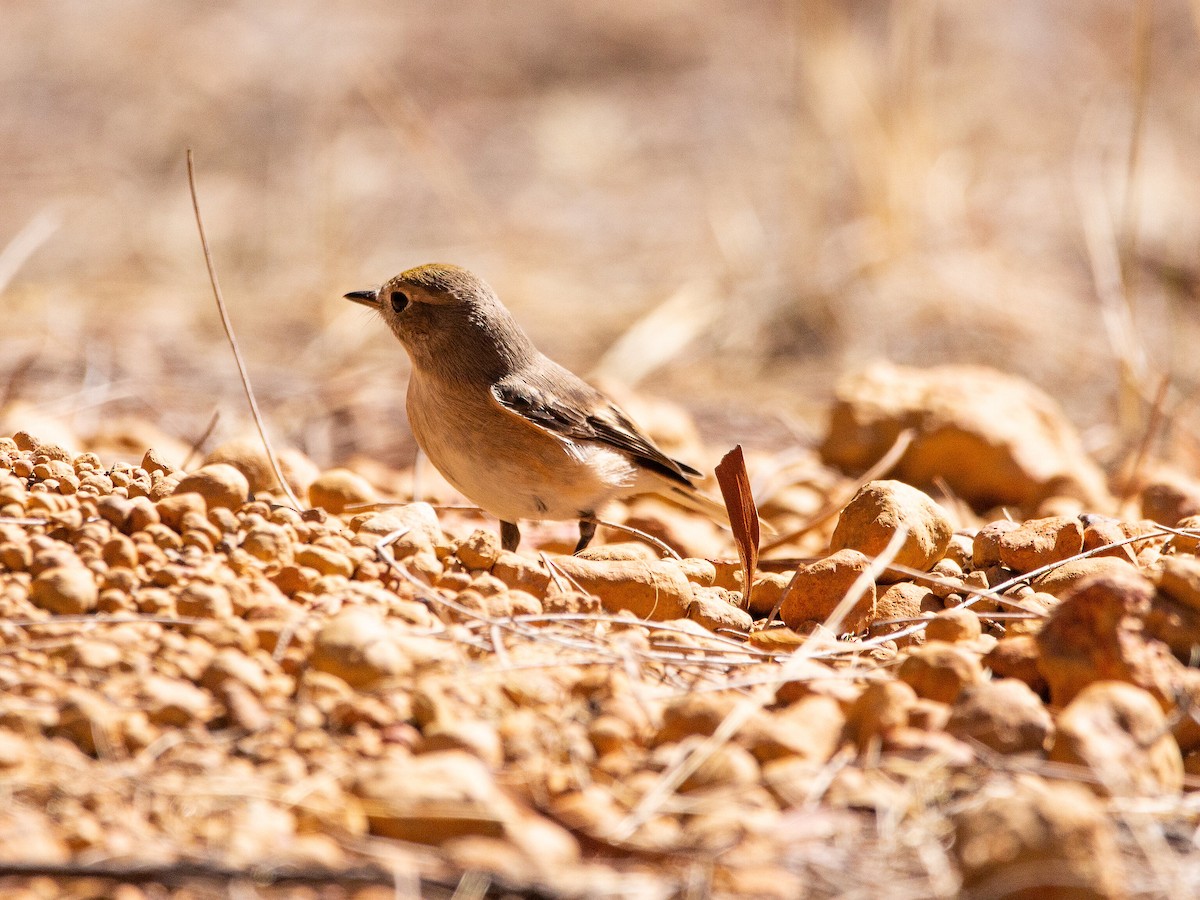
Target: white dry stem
660, 335
25, 243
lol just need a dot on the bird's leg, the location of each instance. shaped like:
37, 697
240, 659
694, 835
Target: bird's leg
587, 529
510, 535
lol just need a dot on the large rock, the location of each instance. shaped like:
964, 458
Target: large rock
1097, 633
1037, 840
1120, 733
994, 438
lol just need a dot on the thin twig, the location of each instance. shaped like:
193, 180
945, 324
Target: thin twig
663, 547
1148, 435
199, 442
212, 277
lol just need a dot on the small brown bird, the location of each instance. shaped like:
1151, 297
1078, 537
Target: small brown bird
512, 430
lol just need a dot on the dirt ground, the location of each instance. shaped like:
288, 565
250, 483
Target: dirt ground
927, 263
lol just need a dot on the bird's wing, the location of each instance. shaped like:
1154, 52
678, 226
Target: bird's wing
557, 402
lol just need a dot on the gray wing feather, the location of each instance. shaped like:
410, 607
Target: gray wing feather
559, 403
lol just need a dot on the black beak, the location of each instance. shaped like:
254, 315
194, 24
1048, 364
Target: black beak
366, 298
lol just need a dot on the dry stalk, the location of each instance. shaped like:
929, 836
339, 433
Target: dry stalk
1143, 34
1153, 424
25, 243
199, 442
233, 345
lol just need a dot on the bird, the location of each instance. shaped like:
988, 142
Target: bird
514, 432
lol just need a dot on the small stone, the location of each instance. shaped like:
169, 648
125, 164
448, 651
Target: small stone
324, 560
65, 590
1174, 616
955, 625
174, 702
768, 590
1039, 542
699, 571
992, 437
985, 548
928, 715
1062, 579
1180, 543
200, 600
98, 655
817, 589
1179, 579
336, 489
609, 734
249, 457
153, 461
1004, 715
219, 484
939, 671
91, 722
1103, 531
570, 603
232, 665
716, 609
479, 550
171, 510
810, 728
881, 707
1171, 497
1037, 840
1097, 633
417, 523
1017, 657
656, 590
903, 600
358, 647
120, 551
475, 736
269, 543
693, 714
728, 767
430, 798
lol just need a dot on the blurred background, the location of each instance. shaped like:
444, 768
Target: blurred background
722, 203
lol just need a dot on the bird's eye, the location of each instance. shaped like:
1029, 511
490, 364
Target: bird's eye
399, 301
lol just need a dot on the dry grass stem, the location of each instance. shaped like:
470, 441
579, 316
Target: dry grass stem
233, 345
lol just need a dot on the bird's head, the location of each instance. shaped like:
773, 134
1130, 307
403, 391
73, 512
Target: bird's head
448, 319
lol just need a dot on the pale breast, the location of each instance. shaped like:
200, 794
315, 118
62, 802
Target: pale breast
507, 466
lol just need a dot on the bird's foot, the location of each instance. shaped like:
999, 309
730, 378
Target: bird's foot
587, 530
510, 535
